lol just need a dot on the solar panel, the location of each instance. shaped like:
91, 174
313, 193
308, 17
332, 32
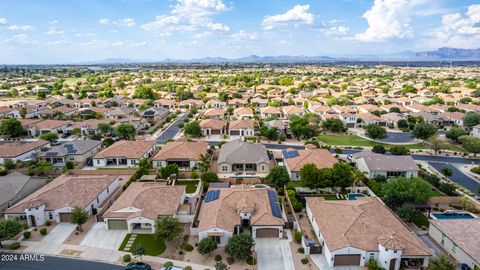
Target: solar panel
51, 154
290, 154
212, 195
276, 211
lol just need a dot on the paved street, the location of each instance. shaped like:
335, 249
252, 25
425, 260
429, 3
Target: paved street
171, 131
55, 263
458, 177
100, 237
273, 253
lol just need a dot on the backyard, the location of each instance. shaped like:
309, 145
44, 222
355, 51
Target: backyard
354, 140
191, 185
151, 246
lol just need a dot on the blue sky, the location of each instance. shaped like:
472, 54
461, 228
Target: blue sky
68, 31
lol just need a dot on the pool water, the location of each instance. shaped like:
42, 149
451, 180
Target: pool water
354, 196
452, 216
261, 186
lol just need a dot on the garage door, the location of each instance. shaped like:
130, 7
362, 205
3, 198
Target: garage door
267, 232
117, 224
216, 131
235, 132
346, 260
65, 217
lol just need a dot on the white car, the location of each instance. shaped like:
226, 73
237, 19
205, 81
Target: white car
171, 268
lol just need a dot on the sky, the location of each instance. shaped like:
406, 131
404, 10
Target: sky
72, 31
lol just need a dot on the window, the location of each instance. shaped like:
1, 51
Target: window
372, 256
50, 215
98, 200
263, 168
454, 248
443, 240
108, 191
98, 161
224, 168
217, 239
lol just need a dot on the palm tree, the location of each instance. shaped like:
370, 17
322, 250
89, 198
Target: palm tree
465, 202
79, 217
441, 262
204, 162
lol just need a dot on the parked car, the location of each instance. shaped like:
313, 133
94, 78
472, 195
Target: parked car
66, 135
54, 143
171, 268
138, 266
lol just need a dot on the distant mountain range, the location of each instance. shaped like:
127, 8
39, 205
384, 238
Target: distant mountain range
441, 54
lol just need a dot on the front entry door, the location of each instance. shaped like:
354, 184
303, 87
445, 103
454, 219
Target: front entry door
32, 220
392, 264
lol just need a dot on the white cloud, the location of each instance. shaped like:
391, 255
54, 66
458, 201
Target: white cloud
53, 22
3, 21
103, 44
298, 15
189, 15
125, 22
459, 30
243, 35
20, 39
53, 31
84, 35
16, 27
389, 19
336, 31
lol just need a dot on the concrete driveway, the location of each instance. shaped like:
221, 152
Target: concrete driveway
60, 233
273, 253
100, 237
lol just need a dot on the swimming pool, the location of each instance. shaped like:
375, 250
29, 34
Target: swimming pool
261, 186
354, 196
452, 216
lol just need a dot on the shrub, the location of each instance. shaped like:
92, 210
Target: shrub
230, 260
298, 237
378, 148
43, 231
188, 267
297, 206
48, 223
301, 250
475, 170
218, 258
186, 246
168, 264
399, 150
304, 260
127, 258
372, 264
251, 261
27, 234
14, 245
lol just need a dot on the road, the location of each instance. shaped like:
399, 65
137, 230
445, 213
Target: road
171, 131
52, 263
458, 177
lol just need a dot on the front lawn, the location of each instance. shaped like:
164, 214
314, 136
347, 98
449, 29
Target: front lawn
354, 140
151, 246
191, 185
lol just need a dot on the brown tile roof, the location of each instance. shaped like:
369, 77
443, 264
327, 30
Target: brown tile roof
212, 123
223, 212
243, 110
50, 124
363, 224
127, 149
292, 109
152, 199
182, 150
11, 149
214, 112
318, 157
270, 110
241, 124
66, 190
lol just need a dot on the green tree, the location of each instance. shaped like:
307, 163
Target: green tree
107, 142
454, 133
471, 144
375, 132
278, 177
471, 119
342, 175
240, 246
407, 213
139, 251
167, 228
333, 125
169, 170
423, 131
379, 149
50, 136
400, 190
437, 144
12, 127
193, 129
69, 165
208, 177
127, 131
447, 171
8, 229
441, 262
79, 217
394, 110
305, 126
308, 176
221, 266
144, 92
399, 150
104, 128
204, 162
402, 123
207, 245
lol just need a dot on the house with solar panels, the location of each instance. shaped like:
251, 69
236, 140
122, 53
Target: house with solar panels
294, 160
239, 209
154, 113
72, 151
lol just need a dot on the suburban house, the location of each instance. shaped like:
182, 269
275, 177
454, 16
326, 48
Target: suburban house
352, 232
165, 103
6, 112
124, 153
273, 112
87, 127
77, 151
214, 113
213, 127
240, 209
244, 127
243, 113
183, 153
292, 110
475, 131
46, 126
459, 238
16, 186
157, 114
141, 204
373, 165
237, 157
56, 200
118, 113
294, 160
21, 150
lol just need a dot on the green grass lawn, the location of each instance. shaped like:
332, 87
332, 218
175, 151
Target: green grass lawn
354, 140
330, 197
191, 185
151, 246
421, 220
